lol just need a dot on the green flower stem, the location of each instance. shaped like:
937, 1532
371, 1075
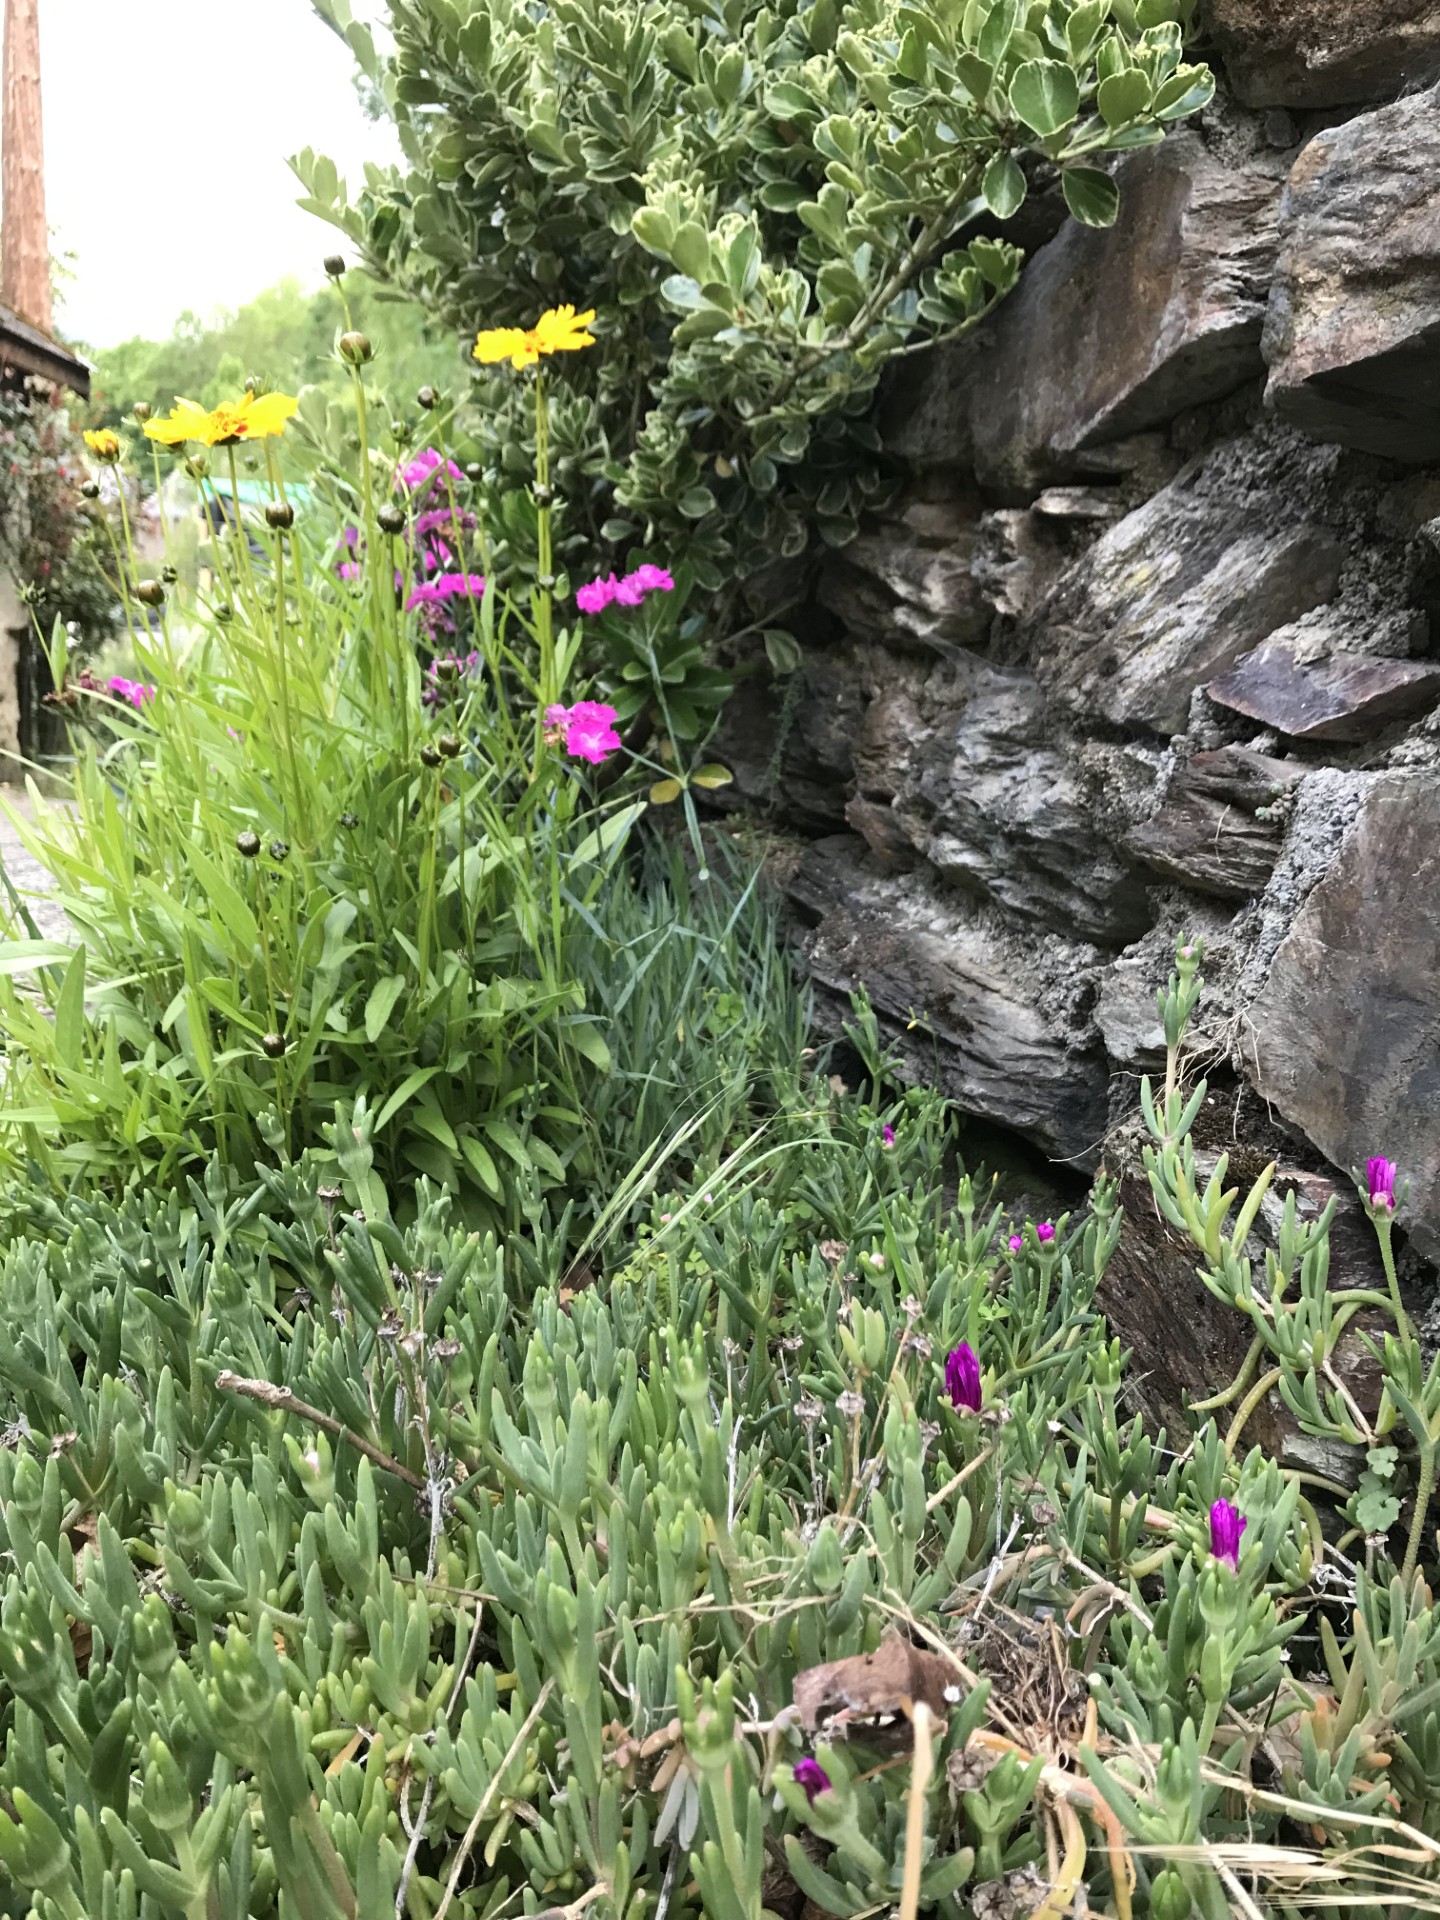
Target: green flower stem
287, 724
1425, 1486
549, 691
382, 591
238, 532
1383, 1228
1247, 1406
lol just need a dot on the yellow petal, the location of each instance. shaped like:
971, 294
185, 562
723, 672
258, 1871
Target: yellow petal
267, 413
562, 330
502, 343
185, 421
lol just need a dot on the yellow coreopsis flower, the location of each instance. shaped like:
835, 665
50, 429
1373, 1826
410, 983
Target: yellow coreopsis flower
561, 330
254, 416
104, 444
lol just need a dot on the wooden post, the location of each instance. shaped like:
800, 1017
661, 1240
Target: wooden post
24, 235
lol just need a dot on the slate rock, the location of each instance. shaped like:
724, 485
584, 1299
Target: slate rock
1170, 597
983, 1029
1215, 831
1352, 334
1001, 806
1349, 696
1323, 53
1113, 332
1346, 1030
901, 590
800, 753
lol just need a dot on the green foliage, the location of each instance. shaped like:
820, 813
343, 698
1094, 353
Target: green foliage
313, 885
343, 1554
285, 337
764, 203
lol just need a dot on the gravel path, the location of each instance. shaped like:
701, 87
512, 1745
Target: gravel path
25, 873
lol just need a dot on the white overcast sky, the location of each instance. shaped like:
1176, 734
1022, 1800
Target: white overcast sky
167, 126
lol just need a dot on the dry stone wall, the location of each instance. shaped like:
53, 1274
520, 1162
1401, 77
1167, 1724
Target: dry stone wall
1151, 639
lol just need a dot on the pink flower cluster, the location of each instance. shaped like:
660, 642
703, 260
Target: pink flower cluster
445, 586
587, 728
423, 472
628, 591
135, 691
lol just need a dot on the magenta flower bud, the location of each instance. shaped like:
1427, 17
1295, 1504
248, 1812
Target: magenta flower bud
887, 1134
810, 1775
1380, 1179
1045, 1232
962, 1377
1226, 1526
1016, 1242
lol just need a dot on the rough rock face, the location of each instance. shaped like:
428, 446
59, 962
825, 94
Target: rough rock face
1348, 1026
1174, 595
1113, 332
1323, 53
1141, 648
1352, 336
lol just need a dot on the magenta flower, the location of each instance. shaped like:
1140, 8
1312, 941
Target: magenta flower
1380, 1179
887, 1135
1044, 1232
587, 728
628, 591
596, 595
810, 1775
962, 1376
135, 691
423, 471
652, 579
445, 586
1226, 1526
1016, 1242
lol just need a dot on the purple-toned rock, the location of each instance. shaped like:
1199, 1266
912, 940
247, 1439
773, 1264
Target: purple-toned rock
1323, 53
1349, 696
1352, 335
1346, 1031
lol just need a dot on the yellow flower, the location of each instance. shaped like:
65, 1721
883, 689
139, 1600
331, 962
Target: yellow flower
254, 416
561, 330
104, 445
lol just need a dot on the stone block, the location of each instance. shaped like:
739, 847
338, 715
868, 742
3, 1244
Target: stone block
1211, 832
892, 587
1002, 807
1113, 332
1349, 696
1323, 53
958, 1007
1346, 1030
1352, 334
1170, 597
